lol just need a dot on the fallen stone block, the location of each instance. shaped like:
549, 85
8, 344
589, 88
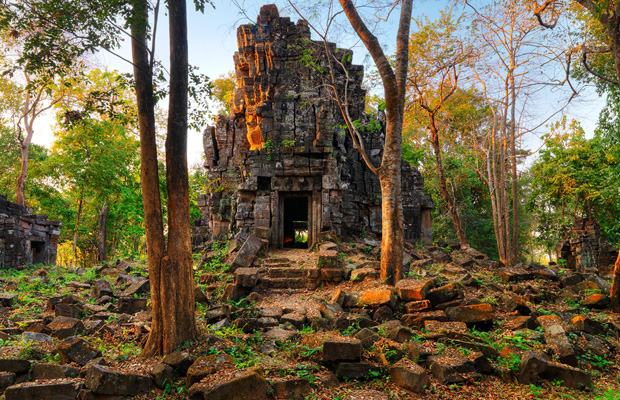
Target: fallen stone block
6, 379
342, 349
413, 289
450, 369
246, 277
68, 310
295, 319
107, 381
416, 320
534, 366
7, 299
444, 294
291, 389
180, 361
409, 376
63, 327
140, 286
355, 370
76, 349
39, 390
130, 305
555, 336
52, 371
246, 385
418, 306
597, 300
248, 252
207, 365
477, 313
37, 337
14, 365
102, 288
375, 298
161, 374
362, 273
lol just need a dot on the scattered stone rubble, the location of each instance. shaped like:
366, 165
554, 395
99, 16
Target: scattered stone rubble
436, 327
26, 238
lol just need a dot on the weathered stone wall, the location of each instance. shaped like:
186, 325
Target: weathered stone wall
26, 238
286, 137
584, 248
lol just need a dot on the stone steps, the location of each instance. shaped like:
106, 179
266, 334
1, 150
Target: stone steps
283, 283
285, 272
268, 262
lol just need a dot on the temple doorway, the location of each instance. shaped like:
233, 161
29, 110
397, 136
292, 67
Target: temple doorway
296, 220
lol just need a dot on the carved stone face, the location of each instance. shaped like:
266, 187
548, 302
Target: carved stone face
255, 136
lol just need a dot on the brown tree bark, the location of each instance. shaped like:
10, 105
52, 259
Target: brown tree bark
103, 218
77, 226
170, 267
389, 173
32, 109
615, 286
443, 188
513, 150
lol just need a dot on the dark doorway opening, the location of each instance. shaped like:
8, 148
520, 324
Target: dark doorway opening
295, 232
38, 252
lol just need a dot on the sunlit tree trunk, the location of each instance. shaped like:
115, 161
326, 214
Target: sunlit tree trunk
78, 219
103, 218
170, 267
443, 188
389, 173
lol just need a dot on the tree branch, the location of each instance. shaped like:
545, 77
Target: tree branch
584, 59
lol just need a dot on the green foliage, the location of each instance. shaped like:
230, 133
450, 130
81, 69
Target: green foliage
574, 177
224, 91
95, 162
610, 394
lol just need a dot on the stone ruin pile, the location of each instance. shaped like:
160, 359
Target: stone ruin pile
283, 159
585, 249
26, 238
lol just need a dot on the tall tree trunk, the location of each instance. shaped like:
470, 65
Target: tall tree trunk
443, 188
153, 220
25, 146
615, 285
515, 193
394, 86
392, 227
103, 218
176, 283
503, 191
21, 179
77, 225
170, 271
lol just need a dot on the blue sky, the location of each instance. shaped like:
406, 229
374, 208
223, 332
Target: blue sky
212, 42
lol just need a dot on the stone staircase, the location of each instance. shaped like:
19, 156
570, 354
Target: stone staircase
280, 273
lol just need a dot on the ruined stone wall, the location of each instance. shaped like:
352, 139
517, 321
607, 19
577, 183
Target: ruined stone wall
286, 136
584, 249
26, 238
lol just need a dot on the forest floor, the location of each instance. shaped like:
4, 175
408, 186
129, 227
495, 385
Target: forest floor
472, 328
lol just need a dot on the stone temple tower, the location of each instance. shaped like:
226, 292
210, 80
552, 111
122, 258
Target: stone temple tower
282, 165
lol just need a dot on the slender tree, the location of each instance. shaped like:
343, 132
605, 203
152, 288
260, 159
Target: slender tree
394, 78
436, 59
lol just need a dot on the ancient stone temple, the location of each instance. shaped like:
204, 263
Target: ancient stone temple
282, 166
585, 249
26, 238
